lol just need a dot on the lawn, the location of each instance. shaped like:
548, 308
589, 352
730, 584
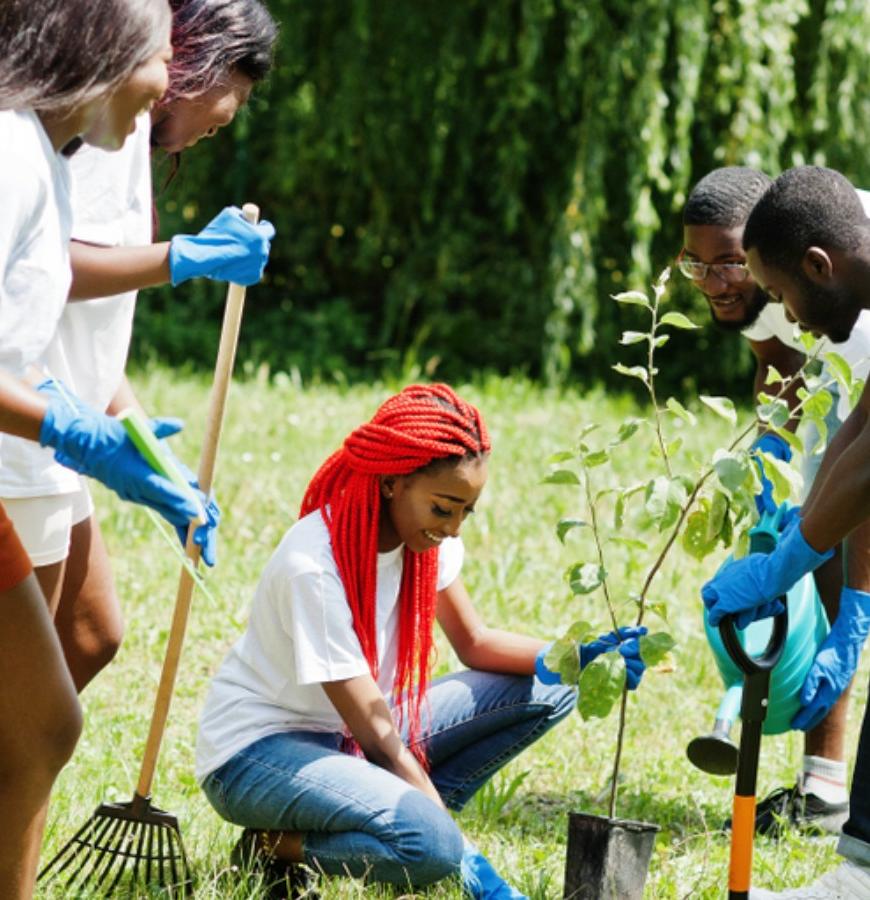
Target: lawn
277, 432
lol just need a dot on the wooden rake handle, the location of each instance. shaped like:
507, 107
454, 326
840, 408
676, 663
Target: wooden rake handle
208, 459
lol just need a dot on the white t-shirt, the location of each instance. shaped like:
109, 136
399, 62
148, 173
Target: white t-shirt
299, 635
112, 208
772, 323
35, 224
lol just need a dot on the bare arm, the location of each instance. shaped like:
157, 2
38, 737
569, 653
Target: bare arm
123, 399
477, 645
22, 409
361, 705
840, 499
787, 361
105, 271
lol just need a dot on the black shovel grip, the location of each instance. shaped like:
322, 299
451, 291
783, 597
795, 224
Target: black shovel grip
751, 665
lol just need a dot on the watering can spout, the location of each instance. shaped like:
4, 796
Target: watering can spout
807, 627
716, 753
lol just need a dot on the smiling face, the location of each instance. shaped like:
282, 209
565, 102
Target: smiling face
733, 306
421, 509
821, 304
115, 118
185, 121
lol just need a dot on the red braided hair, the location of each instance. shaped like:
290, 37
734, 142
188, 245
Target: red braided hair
409, 431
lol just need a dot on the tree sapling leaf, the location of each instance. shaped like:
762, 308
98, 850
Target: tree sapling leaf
637, 298
773, 376
585, 577
678, 320
632, 337
601, 684
654, 647
632, 372
722, 406
562, 476
674, 406
565, 525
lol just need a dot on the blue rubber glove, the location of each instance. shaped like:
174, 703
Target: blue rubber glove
625, 641
751, 587
836, 661
480, 879
229, 248
205, 536
774, 445
97, 445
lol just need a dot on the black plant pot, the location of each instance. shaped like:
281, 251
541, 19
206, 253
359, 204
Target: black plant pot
607, 859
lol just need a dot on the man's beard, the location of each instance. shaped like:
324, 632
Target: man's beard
753, 310
834, 310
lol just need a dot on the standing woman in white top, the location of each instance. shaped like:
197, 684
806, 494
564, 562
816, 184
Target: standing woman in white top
322, 733
69, 69
221, 48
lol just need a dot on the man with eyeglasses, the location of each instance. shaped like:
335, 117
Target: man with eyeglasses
807, 243
712, 257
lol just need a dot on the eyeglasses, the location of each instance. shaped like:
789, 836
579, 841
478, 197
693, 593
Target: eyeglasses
730, 273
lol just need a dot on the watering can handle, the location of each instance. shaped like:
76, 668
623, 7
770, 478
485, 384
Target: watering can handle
762, 539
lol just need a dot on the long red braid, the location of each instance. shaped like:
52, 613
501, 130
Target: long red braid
421, 424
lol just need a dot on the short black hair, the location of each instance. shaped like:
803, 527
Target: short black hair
806, 206
725, 196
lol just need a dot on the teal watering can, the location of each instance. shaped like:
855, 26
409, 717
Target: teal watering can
808, 626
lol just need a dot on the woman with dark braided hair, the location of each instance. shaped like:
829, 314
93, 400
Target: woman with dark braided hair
71, 71
321, 733
220, 48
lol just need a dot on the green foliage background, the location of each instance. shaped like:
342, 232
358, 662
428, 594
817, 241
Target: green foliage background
462, 185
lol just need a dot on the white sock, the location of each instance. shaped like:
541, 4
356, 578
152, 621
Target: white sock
826, 778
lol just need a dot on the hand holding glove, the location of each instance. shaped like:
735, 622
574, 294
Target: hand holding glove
97, 445
774, 445
836, 660
625, 641
750, 588
229, 248
480, 879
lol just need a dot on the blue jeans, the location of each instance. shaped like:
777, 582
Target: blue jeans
357, 818
855, 841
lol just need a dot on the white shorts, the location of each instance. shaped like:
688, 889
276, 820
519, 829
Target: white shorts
45, 524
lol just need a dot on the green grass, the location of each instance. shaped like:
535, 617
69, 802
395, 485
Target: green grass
276, 434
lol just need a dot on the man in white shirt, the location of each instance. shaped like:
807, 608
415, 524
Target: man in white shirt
712, 257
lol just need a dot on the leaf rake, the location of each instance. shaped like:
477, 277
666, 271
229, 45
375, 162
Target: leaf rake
137, 838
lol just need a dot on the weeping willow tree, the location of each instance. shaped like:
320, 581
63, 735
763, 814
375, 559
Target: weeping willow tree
464, 184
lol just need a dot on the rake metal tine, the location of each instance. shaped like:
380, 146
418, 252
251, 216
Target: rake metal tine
63, 856
139, 848
131, 827
99, 832
116, 853
105, 852
150, 856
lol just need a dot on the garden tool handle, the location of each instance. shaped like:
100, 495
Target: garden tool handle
208, 458
751, 665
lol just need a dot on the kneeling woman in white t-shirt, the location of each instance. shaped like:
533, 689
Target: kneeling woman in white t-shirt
321, 733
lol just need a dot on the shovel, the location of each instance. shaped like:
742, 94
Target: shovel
752, 712
136, 837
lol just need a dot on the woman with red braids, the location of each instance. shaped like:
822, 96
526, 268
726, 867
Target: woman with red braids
321, 733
